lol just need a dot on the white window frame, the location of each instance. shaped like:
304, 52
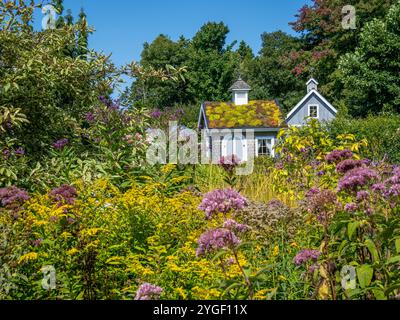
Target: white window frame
272, 145
309, 111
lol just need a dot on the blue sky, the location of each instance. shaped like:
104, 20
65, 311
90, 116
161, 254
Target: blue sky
122, 26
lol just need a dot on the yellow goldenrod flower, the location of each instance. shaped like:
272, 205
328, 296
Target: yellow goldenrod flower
31, 256
72, 251
275, 252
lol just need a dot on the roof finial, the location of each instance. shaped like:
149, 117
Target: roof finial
239, 71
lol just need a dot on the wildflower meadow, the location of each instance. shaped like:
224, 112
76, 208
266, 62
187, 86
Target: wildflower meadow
85, 216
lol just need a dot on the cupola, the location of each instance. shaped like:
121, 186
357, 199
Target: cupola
240, 92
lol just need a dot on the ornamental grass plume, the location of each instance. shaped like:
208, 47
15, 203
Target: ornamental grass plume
222, 201
65, 194
148, 291
217, 239
305, 256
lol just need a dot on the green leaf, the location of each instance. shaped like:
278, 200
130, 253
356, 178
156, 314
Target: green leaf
364, 275
372, 249
351, 228
397, 245
394, 259
379, 294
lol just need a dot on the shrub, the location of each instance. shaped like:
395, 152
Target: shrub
381, 132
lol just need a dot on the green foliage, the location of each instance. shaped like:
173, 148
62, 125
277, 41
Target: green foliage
381, 132
301, 154
51, 88
210, 64
370, 74
269, 74
324, 40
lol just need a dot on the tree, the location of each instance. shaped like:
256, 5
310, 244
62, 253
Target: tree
152, 91
269, 74
325, 40
370, 75
53, 90
83, 35
211, 37
211, 66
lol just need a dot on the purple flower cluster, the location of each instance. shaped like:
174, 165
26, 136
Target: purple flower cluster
229, 163
148, 291
390, 188
65, 194
356, 178
351, 207
312, 192
349, 164
60, 144
37, 242
215, 240
321, 203
156, 114
6, 153
235, 226
392, 191
306, 255
90, 117
337, 156
222, 201
362, 195
20, 151
12, 198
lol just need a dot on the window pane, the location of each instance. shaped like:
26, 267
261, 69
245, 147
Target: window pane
313, 111
264, 147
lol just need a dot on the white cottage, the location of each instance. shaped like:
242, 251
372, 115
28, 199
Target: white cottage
249, 128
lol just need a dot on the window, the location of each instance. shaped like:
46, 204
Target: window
264, 147
313, 111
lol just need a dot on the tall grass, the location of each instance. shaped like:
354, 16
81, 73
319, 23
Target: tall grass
258, 186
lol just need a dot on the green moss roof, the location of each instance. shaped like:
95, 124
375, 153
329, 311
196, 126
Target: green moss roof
255, 114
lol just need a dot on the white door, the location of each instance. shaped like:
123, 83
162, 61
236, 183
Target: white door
235, 146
